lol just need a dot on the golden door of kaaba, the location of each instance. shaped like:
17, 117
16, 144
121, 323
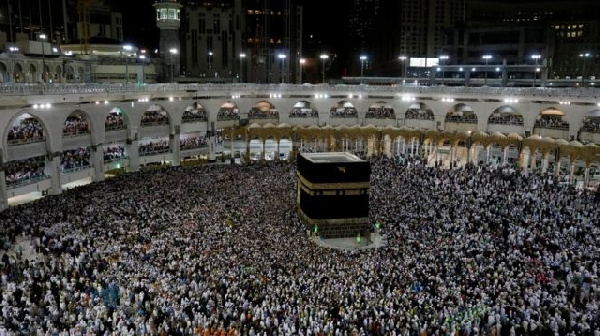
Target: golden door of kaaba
333, 193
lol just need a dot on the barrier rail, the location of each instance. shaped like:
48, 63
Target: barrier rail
12, 89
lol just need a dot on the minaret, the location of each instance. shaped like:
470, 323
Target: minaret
168, 21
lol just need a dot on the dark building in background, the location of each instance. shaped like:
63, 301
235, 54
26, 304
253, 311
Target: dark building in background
384, 30
247, 40
560, 35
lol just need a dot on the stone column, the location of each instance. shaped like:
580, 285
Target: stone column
505, 155
533, 159
134, 155
53, 169
212, 148
277, 150
3, 193
557, 168
97, 158
586, 175
545, 161
174, 143
571, 172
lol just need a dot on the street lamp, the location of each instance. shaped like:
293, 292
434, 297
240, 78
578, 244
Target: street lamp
173, 52
584, 56
486, 58
210, 53
128, 48
282, 58
323, 57
242, 56
363, 58
403, 59
443, 58
302, 61
536, 57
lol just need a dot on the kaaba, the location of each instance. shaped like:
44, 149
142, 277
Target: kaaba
333, 193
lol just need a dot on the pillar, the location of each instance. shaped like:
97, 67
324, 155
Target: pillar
3, 197
53, 169
571, 171
277, 140
524, 159
505, 155
557, 168
586, 175
134, 155
174, 144
97, 158
533, 159
212, 148
487, 154
263, 153
545, 161
247, 159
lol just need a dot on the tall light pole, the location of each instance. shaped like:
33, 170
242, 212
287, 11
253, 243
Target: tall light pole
443, 59
486, 58
584, 56
302, 61
323, 57
282, 58
403, 59
363, 58
535, 57
173, 52
242, 56
210, 54
127, 48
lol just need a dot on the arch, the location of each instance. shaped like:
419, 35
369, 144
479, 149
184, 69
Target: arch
303, 109
506, 115
552, 118
380, 109
343, 109
461, 113
263, 109
228, 111
155, 115
116, 119
25, 128
419, 111
591, 122
194, 113
77, 123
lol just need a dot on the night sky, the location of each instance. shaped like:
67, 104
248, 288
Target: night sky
140, 28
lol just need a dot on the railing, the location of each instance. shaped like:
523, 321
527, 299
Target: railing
154, 152
64, 88
115, 127
590, 129
75, 133
518, 122
380, 116
116, 159
227, 117
188, 119
28, 181
17, 142
74, 169
561, 127
154, 123
421, 117
461, 120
